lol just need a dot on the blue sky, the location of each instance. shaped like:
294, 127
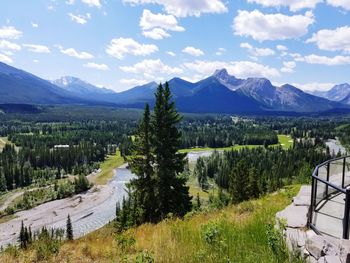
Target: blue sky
123, 43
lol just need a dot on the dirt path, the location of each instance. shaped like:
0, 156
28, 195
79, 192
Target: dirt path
9, 200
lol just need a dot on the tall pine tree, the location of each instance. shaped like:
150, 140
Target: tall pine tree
172, 192
69, 229
141, 164
159, 188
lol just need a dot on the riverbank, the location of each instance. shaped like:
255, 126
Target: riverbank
89, 211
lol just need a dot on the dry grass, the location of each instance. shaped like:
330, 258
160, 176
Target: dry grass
242, 227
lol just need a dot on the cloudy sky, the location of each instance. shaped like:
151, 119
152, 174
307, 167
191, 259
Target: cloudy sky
122, 43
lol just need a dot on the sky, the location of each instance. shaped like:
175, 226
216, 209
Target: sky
120, 44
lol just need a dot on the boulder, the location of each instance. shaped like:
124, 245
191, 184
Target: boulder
295, 216
329, 259
303, 198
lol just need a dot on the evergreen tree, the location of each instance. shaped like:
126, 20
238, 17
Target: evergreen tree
3, 186
141, 164
239, 182
22, 236
159, 188
69, 229
117, 210
172, 192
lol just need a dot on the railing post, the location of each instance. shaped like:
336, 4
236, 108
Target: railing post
328, 165
346, 214
343, 178
312, 201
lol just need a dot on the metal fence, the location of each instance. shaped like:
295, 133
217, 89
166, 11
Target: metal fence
329, 179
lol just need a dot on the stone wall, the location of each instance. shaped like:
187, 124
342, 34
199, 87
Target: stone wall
301, 240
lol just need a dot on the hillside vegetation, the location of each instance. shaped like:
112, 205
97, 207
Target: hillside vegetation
240, 233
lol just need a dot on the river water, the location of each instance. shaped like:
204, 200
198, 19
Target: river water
98, 216
93, 211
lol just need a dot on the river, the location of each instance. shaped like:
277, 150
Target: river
89, 211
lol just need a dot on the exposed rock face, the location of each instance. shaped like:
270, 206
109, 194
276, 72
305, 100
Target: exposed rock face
314, 248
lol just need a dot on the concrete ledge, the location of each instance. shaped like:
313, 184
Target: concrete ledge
312, 247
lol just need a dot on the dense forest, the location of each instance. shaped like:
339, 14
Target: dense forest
250, 173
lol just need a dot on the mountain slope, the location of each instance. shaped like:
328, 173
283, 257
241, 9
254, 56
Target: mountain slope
337, 93
210, 96
285, 98
86, 91
18, 86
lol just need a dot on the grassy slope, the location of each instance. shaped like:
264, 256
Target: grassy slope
242, 228
107, 168
3, 141
285, 140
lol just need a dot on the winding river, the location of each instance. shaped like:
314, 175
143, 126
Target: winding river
88, 211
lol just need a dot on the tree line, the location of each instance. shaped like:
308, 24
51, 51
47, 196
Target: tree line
249, 173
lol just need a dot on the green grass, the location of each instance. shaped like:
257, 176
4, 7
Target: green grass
3, 141
285, 140
6, 218
107, 168
237, 233
201, 149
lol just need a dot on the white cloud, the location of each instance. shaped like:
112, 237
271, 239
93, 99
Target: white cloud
170, 53
150, 20
119, 47
332, 40
288, 66
80, 19
193, 51
92, 3
34, 25
220, 51
10, 32
35, 61
156, 25
281, 48
257, 52
241, 69
96, 66
340, 3
70, 2
293, 5
312, 86
37, 48
156, 33
5, 59
324, 60
152, 69
271, 26
73, 53
7, 52
132, 82
296, 56
183, 8
7, 45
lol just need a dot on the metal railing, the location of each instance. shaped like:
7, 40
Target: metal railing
329, 179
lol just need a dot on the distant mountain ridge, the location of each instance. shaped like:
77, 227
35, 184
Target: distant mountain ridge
337, 93
219, 93
18, 86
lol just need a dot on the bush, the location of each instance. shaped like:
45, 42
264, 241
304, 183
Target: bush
144, 257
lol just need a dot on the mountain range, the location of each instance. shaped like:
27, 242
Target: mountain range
219, 93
